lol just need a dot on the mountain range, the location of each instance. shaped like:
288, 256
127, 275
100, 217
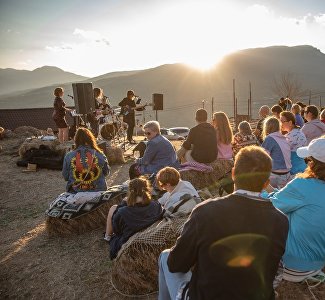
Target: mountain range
185, 88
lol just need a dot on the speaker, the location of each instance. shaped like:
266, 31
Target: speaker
158, 101
83, 96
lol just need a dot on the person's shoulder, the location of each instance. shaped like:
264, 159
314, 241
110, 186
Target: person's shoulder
212, 205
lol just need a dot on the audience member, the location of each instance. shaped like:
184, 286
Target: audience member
296, 139
296, 110
136, 213
263, 113
222, 126
59, 115
279, 149
322, 116
314, 128
244, 137
302, 200
169, 179
302, 110
230, 247
201, 143
276, 110
159, 153
285, 104
85, 168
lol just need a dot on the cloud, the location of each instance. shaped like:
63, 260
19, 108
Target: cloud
59, 48
92, 36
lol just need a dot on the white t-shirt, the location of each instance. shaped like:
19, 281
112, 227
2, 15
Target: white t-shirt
182, 188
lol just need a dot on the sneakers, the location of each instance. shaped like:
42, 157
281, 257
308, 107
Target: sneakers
106, 237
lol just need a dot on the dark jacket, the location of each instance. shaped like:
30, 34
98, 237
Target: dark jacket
203, 142
127, 220
214, 238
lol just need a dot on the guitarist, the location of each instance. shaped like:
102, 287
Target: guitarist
128, 106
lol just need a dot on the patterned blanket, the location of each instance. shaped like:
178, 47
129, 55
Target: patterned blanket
68, 206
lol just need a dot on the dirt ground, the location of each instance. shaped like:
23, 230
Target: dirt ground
34, 266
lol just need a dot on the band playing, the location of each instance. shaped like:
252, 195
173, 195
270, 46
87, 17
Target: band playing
105, 122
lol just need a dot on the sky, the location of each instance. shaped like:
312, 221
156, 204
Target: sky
96, 37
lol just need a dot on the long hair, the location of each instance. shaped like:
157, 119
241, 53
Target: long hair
225, 135
270, 125
315, 169
139, 188
85, 137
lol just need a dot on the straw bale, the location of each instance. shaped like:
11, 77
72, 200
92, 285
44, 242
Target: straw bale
36, 143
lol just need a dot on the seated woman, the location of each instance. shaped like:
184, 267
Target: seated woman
159, 153
295, 138
222, 126
244, 137
85, 168
136, 213
279, 149
169, 179
302, 200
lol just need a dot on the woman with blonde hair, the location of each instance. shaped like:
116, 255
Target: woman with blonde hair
136, 213
59, 115
224, 134
296, 110
85, 168
279, 149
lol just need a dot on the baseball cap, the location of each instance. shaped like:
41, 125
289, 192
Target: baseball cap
316, 149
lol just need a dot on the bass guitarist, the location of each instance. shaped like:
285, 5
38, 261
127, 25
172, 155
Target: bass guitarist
128, 106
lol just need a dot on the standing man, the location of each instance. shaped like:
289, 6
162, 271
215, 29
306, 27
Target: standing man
230, 247
128, 106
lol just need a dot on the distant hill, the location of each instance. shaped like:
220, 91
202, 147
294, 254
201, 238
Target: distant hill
12, 80
184, 88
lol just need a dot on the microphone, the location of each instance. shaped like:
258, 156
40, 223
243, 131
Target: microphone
70, 96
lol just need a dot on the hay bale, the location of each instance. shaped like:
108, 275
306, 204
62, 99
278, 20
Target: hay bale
94, 219
201, 180
114, 154
36, 143
135, 270
27, 131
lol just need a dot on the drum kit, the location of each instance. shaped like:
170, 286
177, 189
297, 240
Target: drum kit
112, 127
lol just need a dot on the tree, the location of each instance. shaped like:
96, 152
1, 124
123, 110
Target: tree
288, 86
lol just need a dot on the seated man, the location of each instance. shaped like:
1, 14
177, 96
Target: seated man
314, 128
230, 247
159, 153
169, 179
201, 142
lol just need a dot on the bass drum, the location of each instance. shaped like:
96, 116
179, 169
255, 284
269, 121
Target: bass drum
108, 131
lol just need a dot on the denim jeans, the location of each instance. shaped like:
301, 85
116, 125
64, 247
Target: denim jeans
170, 284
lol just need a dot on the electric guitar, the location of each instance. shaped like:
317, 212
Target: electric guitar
125, 110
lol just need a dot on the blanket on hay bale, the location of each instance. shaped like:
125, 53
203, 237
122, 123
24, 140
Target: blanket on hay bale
135, 269
201, 180
65, 218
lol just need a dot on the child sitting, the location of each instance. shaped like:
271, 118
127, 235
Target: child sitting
136, 213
